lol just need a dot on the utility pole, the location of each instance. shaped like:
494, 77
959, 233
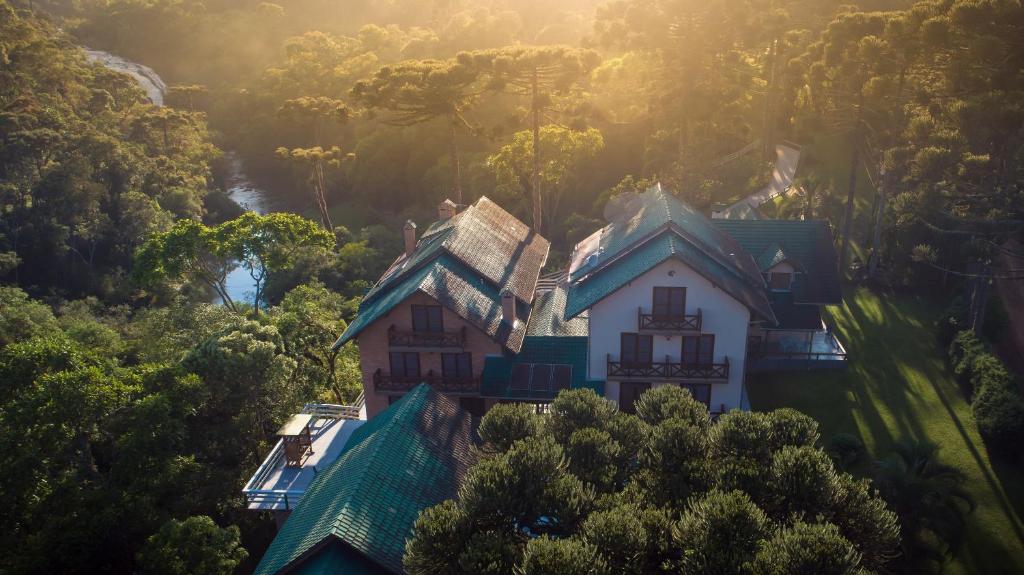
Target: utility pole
982, 287
876, 243
852, 184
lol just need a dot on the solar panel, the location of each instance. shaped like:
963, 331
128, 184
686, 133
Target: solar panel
561, 378
541, 380
520, 376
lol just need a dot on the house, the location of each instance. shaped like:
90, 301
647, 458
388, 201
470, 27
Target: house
358, 512
662, 295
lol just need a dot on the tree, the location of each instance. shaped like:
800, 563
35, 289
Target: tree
807, 549
423, 90
316, 111
929, 498
189, 251
720, 533
506, 424
610, 491
565, 153
316, 159
264, 245
545, 556
269, 244
537, 73
194, 546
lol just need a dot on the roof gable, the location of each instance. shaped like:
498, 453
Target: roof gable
411, 456
585, 294
808, 242
638, 218
485, 238
454, 286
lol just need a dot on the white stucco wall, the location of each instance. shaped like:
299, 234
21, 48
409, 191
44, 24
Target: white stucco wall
723, 316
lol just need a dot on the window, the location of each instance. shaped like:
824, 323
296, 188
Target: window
637, 349
699, 349
629, 394
541, 377
456, 365
427, 318
781, 281
561, 377
669, 302
700, 391
520, 377
405, 365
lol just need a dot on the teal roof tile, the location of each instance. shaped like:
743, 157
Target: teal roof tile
487, 239
465, 262
409, 457
548, 317
454, 286
649, 228
807, 242
640, 217
584, 294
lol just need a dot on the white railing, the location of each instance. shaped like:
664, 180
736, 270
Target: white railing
287, 498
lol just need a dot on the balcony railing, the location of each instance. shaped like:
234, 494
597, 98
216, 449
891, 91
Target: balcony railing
669, 370
668, 323
426, 339
386, 382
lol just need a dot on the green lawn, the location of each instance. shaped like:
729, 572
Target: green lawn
898, 386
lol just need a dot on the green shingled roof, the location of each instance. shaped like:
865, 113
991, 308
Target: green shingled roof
774, 255
488, 240
465, 263
584, 294
549, 350
454, 286
639, 217
548, 317
409, 457
808, 242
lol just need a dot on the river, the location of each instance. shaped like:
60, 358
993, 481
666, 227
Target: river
240, 285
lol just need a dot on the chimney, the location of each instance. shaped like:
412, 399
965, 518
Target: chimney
508, 307
446, 209
409, 232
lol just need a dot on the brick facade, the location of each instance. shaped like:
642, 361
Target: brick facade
374, 350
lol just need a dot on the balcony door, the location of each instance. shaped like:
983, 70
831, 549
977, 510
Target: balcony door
699, 349
405, 366
700, 391
427, 319
629, 394
669, 302
457, 365
636, 349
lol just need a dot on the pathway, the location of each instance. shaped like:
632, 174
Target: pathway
787, 158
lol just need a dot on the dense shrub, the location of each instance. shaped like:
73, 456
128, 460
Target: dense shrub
997, 405
845, 449
999, 412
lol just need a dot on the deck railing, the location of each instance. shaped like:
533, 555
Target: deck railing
668, 323
669, 370
439, 339
386, 382
287, 498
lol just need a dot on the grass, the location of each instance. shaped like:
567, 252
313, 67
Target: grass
898, 387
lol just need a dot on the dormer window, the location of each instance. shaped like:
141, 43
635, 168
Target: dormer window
427, 319
781, 281
669, 302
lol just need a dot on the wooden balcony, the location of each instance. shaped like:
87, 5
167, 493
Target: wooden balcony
386, 382
668, 370
668, 324
426, 340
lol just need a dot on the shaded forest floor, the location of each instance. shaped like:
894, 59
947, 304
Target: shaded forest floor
899, 387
